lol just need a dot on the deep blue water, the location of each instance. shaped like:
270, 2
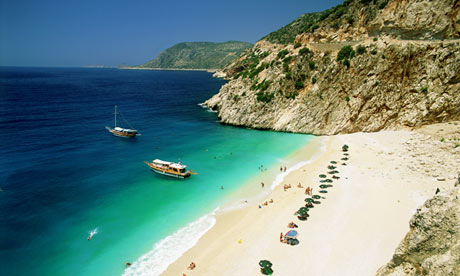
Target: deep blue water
62, 174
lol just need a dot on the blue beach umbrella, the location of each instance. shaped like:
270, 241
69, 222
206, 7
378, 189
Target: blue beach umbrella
291, 234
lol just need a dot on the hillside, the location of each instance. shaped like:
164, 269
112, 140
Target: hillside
198, 55
361, 66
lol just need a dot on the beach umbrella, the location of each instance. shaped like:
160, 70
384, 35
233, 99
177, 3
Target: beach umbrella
265, 263
323, 191
330, 167
316, 197
309, 199
322, 175
333, 162
345, 147
291, 234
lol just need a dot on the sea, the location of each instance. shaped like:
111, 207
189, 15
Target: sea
63, 176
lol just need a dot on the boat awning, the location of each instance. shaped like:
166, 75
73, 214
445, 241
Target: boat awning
158, 161
177, 166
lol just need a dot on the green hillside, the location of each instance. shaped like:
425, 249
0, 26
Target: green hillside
198, 55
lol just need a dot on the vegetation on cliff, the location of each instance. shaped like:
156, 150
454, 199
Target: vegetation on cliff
344, 80
198, 55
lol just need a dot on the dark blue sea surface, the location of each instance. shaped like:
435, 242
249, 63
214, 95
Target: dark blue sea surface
62, 174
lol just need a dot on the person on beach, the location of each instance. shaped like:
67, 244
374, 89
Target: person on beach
191, 266
284, 168
285, 187
265, 203
299, 185
292, 225
262, 184
221, 187
281, 237
281, 168
271, 201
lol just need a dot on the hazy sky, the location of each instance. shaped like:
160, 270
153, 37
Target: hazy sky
111, 32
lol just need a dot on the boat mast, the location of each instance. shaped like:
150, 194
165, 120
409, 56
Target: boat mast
115, 116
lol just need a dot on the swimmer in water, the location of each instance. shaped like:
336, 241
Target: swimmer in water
91, 234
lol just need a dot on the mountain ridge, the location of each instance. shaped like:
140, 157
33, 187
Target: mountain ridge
197, 55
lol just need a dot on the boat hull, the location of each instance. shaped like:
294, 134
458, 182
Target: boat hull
121, 134
170, 174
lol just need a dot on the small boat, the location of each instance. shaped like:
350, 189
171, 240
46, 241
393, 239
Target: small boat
122, 132
177, 170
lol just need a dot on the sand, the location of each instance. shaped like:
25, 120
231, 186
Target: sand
354, 230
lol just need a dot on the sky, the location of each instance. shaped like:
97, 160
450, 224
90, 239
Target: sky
113, 32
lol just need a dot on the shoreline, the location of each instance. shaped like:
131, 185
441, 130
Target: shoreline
185, 238
354, 231
167, 69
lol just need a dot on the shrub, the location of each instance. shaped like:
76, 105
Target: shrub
442, 139
383, 4
346, 62
282, 53
345, 53
365, 1
375, 39
292, 95
288, 75
265, 97
350, 19
314, 27
244, 94
347, 98
299, 85
374, 52
360, 49
286, 67
311, 64
297, 45
339, 12
424, 89
287, 59
304, 51
313, 80
265, 54
235, 98
335, 25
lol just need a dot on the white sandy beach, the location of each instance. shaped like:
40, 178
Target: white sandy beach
354, 230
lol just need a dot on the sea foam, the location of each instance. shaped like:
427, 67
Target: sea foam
280, 177
168, 250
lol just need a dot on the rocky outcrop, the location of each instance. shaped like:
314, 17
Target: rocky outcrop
386, 84
432, 246
317, 85
421, 19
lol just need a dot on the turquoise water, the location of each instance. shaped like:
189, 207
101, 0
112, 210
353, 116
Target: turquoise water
59, 187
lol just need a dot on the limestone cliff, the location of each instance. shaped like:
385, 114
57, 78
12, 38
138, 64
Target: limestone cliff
432, 246
351, 68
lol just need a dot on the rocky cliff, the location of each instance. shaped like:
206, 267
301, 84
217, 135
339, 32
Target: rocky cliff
432, 246
350, 68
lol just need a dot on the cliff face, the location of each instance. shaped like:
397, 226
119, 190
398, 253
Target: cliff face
320, 85
432, 246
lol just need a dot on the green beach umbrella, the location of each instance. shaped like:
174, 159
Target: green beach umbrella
315, 196
265, 263
323, 191
322, 175
333, 162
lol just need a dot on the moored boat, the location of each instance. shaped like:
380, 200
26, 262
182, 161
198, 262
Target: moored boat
172, 169
122, 132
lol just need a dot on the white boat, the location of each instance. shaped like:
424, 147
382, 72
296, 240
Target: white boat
122, 132
177, 170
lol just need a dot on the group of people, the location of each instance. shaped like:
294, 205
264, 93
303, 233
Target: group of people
286, 186
266, 203
309, 191
283, 168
